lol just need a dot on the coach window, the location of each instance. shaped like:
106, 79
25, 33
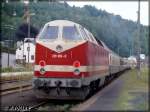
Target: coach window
71, 33
50, 32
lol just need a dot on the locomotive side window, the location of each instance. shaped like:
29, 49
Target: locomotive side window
86, 36
83, 33
70, 33
50, 32
92, 38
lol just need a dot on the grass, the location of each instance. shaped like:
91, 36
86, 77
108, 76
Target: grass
22, 76
53, 107
17, 77
20, 69
134, 91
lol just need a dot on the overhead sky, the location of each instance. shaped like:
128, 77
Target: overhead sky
126, 9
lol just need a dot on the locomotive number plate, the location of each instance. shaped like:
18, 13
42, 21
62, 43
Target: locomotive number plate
59, 55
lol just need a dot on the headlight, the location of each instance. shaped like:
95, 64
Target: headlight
76, 71
42, 63
76, 63
59, 48
42, 71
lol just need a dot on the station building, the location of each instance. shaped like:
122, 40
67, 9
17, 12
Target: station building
25, 52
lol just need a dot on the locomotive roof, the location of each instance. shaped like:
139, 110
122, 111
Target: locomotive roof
105, 46
62, 22
71, 23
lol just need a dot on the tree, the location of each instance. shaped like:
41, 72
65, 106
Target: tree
22, 31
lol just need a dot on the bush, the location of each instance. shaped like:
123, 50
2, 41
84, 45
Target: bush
7, 69
11, 69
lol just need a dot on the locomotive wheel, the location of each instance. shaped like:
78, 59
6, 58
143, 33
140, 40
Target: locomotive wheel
94, 86
110, 77
91, 88
107, 79
97, 83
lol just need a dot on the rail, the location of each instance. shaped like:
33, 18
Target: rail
16, 86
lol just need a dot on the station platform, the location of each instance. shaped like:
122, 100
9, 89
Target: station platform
108, 98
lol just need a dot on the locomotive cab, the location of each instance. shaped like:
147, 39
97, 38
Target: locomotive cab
60, 36
59, 31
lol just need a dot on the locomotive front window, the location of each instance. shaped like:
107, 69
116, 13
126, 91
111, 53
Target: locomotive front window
71, 33
50, 32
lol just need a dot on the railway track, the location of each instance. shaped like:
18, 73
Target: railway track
12, 86
55, 105
11, 81
37, 105
27, 106
15, 89
60, 105
51, 105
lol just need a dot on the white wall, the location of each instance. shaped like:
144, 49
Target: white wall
20, 52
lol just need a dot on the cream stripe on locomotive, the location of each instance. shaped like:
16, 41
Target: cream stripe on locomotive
67, 68
53, 44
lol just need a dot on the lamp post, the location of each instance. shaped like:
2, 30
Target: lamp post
138, 40
26, 2
28, 20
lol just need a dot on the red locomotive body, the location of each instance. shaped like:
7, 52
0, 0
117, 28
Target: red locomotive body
85, 56
69, 62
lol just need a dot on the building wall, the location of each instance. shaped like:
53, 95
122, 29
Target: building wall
22, 52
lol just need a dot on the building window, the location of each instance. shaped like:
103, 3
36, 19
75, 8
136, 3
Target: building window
24, 57
32, 57
28, 48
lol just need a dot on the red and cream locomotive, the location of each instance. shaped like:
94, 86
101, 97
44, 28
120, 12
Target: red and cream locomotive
70, 62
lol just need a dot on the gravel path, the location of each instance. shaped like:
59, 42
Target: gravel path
24, 100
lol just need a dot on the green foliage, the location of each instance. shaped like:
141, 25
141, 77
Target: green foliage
7, 69
134, 88
11, 69
117, 33
6, 49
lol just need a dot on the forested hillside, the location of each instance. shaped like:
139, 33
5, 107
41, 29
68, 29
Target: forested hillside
117, 33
